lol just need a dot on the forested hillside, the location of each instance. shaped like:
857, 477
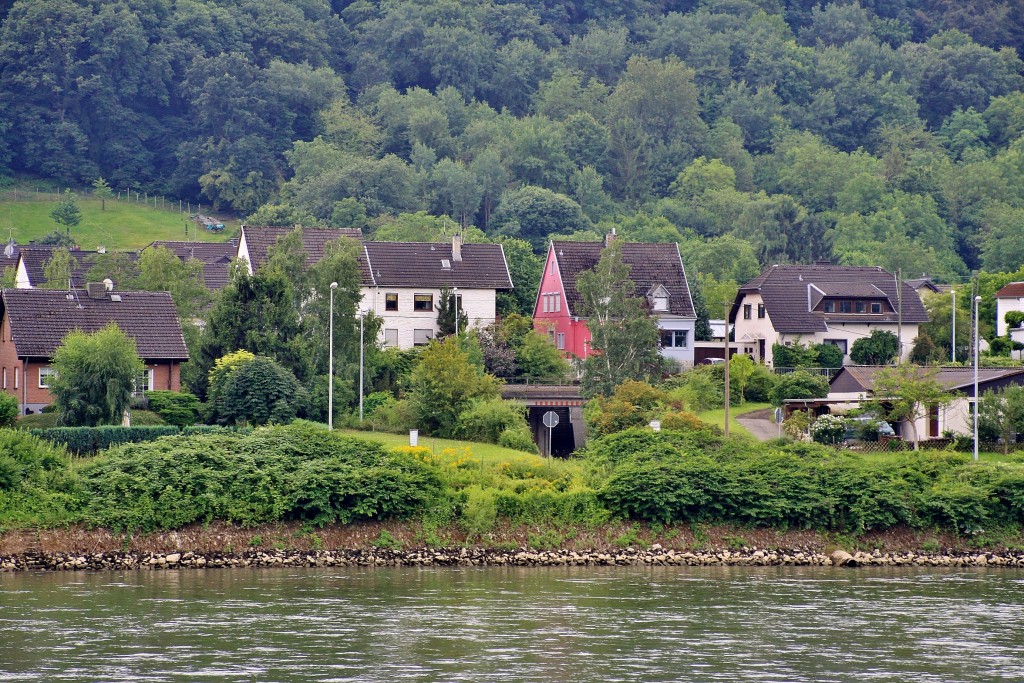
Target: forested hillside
887, 132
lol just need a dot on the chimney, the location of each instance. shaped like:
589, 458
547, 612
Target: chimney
456, 247
96, 290
609, 238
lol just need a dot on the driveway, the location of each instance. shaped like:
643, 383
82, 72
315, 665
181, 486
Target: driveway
760, 423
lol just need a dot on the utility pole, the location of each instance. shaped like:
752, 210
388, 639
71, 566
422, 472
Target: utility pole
725, 305
899, 313
952, 345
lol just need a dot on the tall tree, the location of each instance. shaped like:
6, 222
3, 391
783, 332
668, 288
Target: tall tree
906, 393
58, 269
66, 212
624, 337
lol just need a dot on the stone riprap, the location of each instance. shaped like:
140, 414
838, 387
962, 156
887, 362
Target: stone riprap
472, 556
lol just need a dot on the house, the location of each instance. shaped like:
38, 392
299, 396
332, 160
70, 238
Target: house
401, 282
854, 385
32, 265
33, 322
655, 269
823, 303
1009, 298
216, 258
925, 287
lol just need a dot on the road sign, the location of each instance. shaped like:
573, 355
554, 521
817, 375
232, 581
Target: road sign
778, 416
550, 419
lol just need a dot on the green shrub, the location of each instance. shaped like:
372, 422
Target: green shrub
9, 409
487, 419
42, 420
798, 384
703, 389
174, 407
90, 440
828, 429
518, 438
760, 385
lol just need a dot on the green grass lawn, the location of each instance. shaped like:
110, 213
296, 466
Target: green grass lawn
484, 451
121, 226
717, 416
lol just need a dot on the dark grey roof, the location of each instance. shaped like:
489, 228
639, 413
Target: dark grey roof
215, 256
784, 290
259, 239
649, 265
424, 264
35, 258
41, 318
861, 378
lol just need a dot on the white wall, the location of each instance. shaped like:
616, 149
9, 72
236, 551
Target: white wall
681, 355
479, 305
1004, 305
21, 280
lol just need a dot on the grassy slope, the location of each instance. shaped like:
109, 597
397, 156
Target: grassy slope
485, 451
121, 226
717, 416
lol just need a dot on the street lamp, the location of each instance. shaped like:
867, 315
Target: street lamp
977, 303
362, 314
953, 341
455, 291
330, 363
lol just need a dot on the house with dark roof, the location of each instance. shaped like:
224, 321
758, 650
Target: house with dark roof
401, 282
216, 258
34, 322
32, 264
655, 269
855, 385
823, 304
1009, 298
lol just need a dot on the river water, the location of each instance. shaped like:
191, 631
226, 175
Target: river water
578, 624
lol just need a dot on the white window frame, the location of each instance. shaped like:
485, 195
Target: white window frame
391, 336
5, 378
417, 300
47, 372
560, 343
142, 387
16, 375
422, 337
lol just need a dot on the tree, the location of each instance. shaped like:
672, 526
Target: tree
624, 338
535, 213
1001, 414
906, 393
444, 383
880, 348
449, 312
160, 270
741, 369
58, 269
259, 392
66, 212
537, 357
800, 384
95, 376
101, 189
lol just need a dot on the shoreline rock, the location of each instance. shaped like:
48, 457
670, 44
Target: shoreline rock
491, 557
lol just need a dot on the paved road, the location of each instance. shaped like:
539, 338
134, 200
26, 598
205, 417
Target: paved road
760, 424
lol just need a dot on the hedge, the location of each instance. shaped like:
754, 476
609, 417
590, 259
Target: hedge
91, 440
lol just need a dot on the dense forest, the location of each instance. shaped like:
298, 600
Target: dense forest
886, 132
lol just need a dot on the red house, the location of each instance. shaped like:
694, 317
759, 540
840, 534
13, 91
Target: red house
655, 269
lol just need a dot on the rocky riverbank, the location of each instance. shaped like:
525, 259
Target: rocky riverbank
469, 557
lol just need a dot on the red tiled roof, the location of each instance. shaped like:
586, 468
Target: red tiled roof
259, 239
35, 258
1012, 290
215, 256
784, 290
857, 378
649, 265
423, 264
41, 318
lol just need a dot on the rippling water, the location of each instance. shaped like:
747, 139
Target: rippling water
580, 624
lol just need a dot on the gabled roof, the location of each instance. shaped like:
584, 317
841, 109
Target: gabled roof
784, 290
35, 257
650, 265
424, 264
919, 283
41, 318
215, 256
861, 378
259, 239
1011, 291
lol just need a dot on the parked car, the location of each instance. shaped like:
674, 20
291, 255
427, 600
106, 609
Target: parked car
866, 428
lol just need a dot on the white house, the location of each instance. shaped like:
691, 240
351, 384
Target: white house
823, 304
402, 281
1009, 298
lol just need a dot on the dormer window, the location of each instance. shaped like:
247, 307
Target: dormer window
658, 298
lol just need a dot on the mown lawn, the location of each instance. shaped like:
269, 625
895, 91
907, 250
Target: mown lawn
717, 416
484, 451
121, 226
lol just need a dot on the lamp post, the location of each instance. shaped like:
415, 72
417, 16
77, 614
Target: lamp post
952, 344
455, 294
362, 314
726, 368
330, 362
977, 303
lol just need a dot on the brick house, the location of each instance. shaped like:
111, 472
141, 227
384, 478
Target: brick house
823, 304
401, 282
655, 269
33, 322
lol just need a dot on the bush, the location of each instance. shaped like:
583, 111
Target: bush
86, 441
798, 385
702, 389
760, 385
174, 407
518, 438
9, 409
828, 429
261, 392
27, 458
487, 419
393, 416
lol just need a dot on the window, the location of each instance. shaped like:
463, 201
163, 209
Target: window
16, 377
390, 337
561, 341
747, 311
422, 337
551, 270
659, 302
422, 302
46, 375
876, 307
674, 339
862, 307
391, 302
5, 378
839, 343
558, 301
829, 307
760, 311
551, 303
144, 382
846, 307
